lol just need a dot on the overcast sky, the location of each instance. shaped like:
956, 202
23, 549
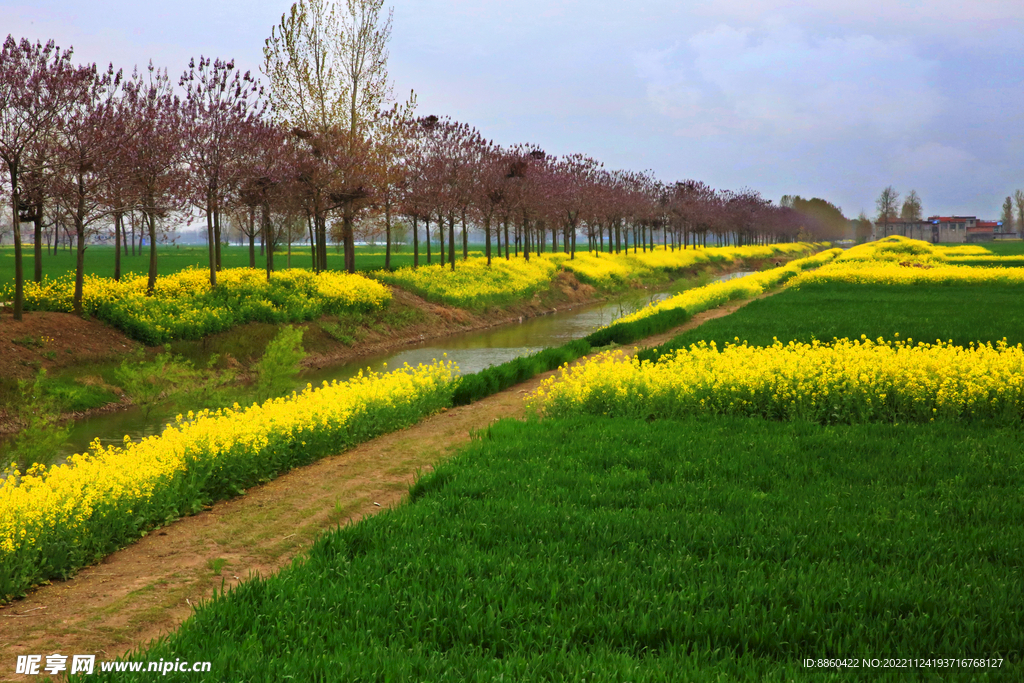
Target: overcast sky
827, 98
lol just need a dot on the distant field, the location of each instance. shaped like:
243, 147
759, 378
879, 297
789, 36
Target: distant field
99, 260
925, 313
1012, 248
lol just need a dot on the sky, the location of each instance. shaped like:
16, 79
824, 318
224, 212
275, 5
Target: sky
820, 98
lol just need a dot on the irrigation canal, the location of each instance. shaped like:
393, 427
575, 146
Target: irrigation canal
471, 351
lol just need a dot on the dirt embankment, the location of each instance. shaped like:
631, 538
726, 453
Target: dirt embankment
149, 588
55, 341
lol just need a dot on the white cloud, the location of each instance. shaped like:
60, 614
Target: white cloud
777, 78
667, 88
951, 21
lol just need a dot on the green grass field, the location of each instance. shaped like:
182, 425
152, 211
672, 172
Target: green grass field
613, 550
923, 313
1005, 247
99, 260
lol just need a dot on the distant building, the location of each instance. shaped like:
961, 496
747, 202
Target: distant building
944, 229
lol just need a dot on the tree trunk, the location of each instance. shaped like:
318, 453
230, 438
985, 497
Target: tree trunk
268, 232
451, 240
526, 237
321, 239
506, 239
151, 285
118, 229
38, 221
415, 241
427, 236
487, 238
312, 240
440, 239
252, 238
80, 237
387, 235
210, 239
216, 231
348, 234
19, 270
465, 237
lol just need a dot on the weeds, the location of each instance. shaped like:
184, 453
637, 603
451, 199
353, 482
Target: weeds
171, 380
43, 433
276, 371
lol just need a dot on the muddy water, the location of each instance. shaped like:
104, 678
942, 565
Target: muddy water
471, 351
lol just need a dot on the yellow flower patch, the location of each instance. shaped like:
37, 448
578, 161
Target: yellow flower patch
844, 381
184, 306
55, 520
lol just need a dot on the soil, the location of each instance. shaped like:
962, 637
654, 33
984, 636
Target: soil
55, 341
147, 589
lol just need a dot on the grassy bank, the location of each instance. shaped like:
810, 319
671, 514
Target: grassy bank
612, 550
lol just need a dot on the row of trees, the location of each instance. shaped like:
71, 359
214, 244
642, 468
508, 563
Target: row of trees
323, 147
890, 209
1009, 224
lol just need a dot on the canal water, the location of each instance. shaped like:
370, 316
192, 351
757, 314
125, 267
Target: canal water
471, 351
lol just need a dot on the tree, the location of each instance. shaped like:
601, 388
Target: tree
691, 209
38, 84
1018, 198
87, 142
218, 102
574, 179
862, 227
363, 52
911, 210
886, 205
828, 219
327, 68
1007, 216
389, 158
153, 159
266, 179
489, 192
121, 188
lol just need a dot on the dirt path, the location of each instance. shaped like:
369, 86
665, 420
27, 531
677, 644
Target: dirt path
149, 588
